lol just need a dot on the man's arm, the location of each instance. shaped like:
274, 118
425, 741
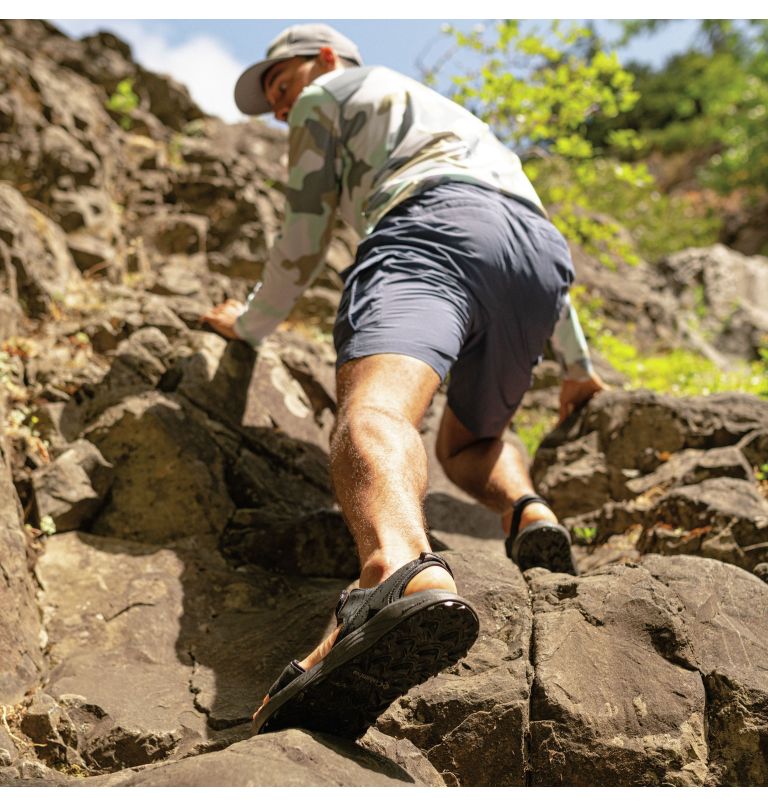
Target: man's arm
580, 381
297, 257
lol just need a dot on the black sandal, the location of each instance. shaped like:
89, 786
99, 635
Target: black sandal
388, 643
541, 544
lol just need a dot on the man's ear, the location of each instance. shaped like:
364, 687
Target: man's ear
328, 58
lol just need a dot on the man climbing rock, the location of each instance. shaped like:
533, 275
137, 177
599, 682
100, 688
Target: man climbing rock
458, 270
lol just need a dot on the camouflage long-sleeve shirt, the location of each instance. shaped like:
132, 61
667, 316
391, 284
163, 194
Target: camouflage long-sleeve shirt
362, 140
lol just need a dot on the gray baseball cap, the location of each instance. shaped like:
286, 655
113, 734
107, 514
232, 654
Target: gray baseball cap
298, 40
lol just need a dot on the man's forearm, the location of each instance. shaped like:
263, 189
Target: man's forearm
570, 345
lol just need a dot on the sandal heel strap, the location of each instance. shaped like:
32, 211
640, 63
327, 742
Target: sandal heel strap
358, 606
517, 511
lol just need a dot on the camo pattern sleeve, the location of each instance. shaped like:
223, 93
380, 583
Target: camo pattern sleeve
570, 346
312, 196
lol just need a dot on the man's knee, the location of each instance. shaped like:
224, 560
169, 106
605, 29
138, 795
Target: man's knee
363, 422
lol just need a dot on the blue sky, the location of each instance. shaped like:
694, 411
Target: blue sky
208, 55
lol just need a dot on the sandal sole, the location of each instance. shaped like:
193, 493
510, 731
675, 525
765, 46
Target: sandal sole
405, 644
545, 547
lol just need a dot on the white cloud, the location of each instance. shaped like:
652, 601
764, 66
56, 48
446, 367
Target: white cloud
202, 63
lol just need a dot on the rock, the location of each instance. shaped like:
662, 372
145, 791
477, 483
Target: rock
726, 613
577, 478
256, 393
471, 720
8, 751
72, 488
754, 447
692, 467
169, 474
609, 469
199, 644
89, 209
761, 572
91, 254
64, 156
616, 696
139, 364
178, 233
404, 753
34, 260
10, 314
729, 292
726, 519
287, 758
317, 543
22, 664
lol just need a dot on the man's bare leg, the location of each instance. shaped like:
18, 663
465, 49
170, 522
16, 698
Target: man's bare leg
492, 471
379, 469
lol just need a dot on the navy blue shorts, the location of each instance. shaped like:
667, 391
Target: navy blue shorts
466, 279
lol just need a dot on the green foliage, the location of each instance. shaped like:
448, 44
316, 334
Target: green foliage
124, 100
47, 525
546, 94
585, 534
659, 224
713, 98
675, 372
532, 425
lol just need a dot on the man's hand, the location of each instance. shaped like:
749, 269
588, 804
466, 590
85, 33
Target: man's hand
222, 317
573, 394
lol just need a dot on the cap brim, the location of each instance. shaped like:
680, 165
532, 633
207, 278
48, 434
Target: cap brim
249, 94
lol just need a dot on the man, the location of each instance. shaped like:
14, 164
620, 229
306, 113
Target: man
459, 269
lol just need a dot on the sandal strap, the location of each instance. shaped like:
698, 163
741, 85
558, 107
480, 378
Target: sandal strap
357, 606
293, 670
517, 511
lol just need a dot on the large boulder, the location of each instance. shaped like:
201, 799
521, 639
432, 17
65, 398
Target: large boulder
726, 613
472, 720
169, 479
71, 489
672, 475
726, 291
35, 263
290, 758
616, 697
22, 664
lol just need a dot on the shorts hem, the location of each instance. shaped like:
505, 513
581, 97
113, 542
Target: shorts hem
350, 351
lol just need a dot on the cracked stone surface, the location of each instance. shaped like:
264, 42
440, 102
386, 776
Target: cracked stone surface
288, 758
195, 645
726, 610
133, 651
471, 721
641, 472
21, 659
616, 697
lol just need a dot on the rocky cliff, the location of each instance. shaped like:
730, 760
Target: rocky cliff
168, 535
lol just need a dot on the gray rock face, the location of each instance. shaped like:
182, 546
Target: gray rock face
134, 651
724, 518
169, 474
71, 489
729, 290
35, 264
615, 694
725, 611
290, 758
21, 660
671, 475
